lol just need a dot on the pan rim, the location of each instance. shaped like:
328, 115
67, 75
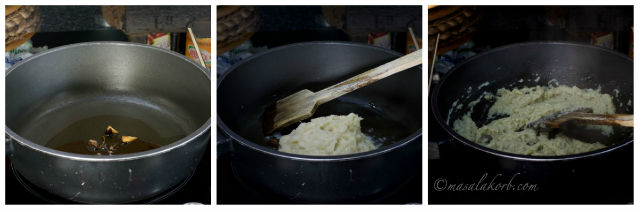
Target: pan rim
438, 115
199, 132
312, 158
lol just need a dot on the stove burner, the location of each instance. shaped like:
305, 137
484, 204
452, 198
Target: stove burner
54, 199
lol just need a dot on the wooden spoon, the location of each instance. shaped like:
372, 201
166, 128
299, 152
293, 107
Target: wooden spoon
302, 104
585, 116
624, 120
572, 124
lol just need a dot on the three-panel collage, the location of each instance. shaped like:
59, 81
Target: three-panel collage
313, 104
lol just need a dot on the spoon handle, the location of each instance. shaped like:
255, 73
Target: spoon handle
368, 77
625, 120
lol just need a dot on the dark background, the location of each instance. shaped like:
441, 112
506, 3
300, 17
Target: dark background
501, 25
292, 24
281, 25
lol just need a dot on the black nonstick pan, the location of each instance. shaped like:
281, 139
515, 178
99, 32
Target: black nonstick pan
391, 109
582, 177
531, 64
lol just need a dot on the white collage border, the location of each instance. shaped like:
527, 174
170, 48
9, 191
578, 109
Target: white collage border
425, 174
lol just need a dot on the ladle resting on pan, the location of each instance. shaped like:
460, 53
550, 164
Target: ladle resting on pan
302, 104
571, 122
581, 115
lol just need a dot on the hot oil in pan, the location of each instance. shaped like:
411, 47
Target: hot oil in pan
375, 123
112, 146
75, 137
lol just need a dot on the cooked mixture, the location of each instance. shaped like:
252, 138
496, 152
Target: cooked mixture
526, 105
330, 135
111, 143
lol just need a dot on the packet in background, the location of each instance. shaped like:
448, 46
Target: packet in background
20, 53
202, 33
162, 40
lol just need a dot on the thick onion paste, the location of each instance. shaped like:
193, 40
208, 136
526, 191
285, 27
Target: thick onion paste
329, 135
525, 105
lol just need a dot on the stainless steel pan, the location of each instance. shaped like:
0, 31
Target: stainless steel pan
162, 90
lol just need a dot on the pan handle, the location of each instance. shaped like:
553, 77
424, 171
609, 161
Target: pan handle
434, 151
438, 149
8, 149
223, 143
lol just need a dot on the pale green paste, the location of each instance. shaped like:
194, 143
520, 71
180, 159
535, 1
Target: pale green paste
529, 104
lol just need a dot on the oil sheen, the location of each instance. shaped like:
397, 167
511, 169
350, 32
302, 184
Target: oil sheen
74, 137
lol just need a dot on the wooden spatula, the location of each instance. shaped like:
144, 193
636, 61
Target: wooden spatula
582, 115
302, 104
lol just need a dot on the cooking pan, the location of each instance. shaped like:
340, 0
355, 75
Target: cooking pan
531, 64
391, 109
71, 93
577, 178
